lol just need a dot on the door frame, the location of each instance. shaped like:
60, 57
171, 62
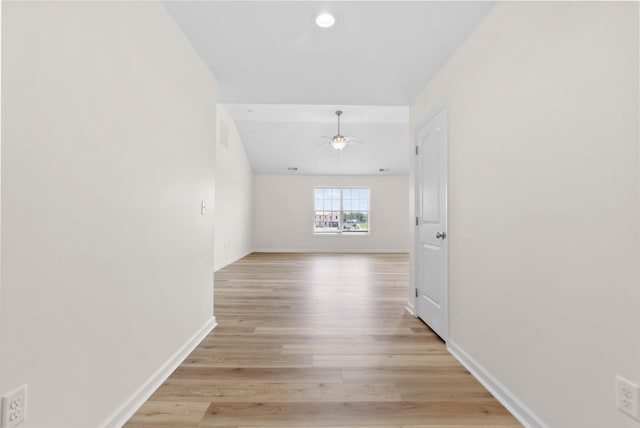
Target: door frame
439, 107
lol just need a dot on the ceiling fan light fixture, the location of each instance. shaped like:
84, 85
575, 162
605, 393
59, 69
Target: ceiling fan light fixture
338, 142
325, 20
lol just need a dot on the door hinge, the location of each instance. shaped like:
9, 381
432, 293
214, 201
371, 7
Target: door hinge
417, 150
416, 292
417, 221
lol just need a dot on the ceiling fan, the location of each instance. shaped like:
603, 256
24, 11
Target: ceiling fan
339, 141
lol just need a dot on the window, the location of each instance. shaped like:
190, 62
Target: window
343, 211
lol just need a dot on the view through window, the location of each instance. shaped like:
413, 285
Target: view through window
341, 211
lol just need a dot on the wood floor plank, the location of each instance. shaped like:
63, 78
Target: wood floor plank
408, 375
365, 349
204, 375
343, 330
169, 413
334, 426
264, 360
432, 360
319, 340
395, 426
353, 413
285, 393
516, 425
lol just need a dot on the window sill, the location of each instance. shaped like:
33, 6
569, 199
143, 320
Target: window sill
341, 234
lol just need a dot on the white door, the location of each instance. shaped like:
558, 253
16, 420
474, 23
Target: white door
431, 221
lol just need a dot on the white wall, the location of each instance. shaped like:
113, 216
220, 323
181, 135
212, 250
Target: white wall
543, 203
108, 149
234, 194
283, 214
0, 157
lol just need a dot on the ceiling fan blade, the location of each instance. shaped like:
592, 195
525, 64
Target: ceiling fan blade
321, 144
324, 136
352, 139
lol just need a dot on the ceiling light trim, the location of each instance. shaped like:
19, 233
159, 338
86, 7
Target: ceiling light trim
325, 20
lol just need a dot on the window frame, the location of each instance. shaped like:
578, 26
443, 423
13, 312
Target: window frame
340, 231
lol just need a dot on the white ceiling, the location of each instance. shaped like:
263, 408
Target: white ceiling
270, 53
280, 136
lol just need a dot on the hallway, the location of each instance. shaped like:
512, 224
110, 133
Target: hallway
319, 340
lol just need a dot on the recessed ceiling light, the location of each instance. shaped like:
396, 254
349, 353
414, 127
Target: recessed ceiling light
325, 20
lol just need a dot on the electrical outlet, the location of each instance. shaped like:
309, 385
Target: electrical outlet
628, 397
14, 408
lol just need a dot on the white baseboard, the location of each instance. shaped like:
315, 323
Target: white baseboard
411, 309
227, 262
122, 414
316, 250
502, 394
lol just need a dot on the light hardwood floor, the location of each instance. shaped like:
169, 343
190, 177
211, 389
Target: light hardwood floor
317, 340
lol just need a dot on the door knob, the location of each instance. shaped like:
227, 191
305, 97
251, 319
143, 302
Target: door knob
441, 235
